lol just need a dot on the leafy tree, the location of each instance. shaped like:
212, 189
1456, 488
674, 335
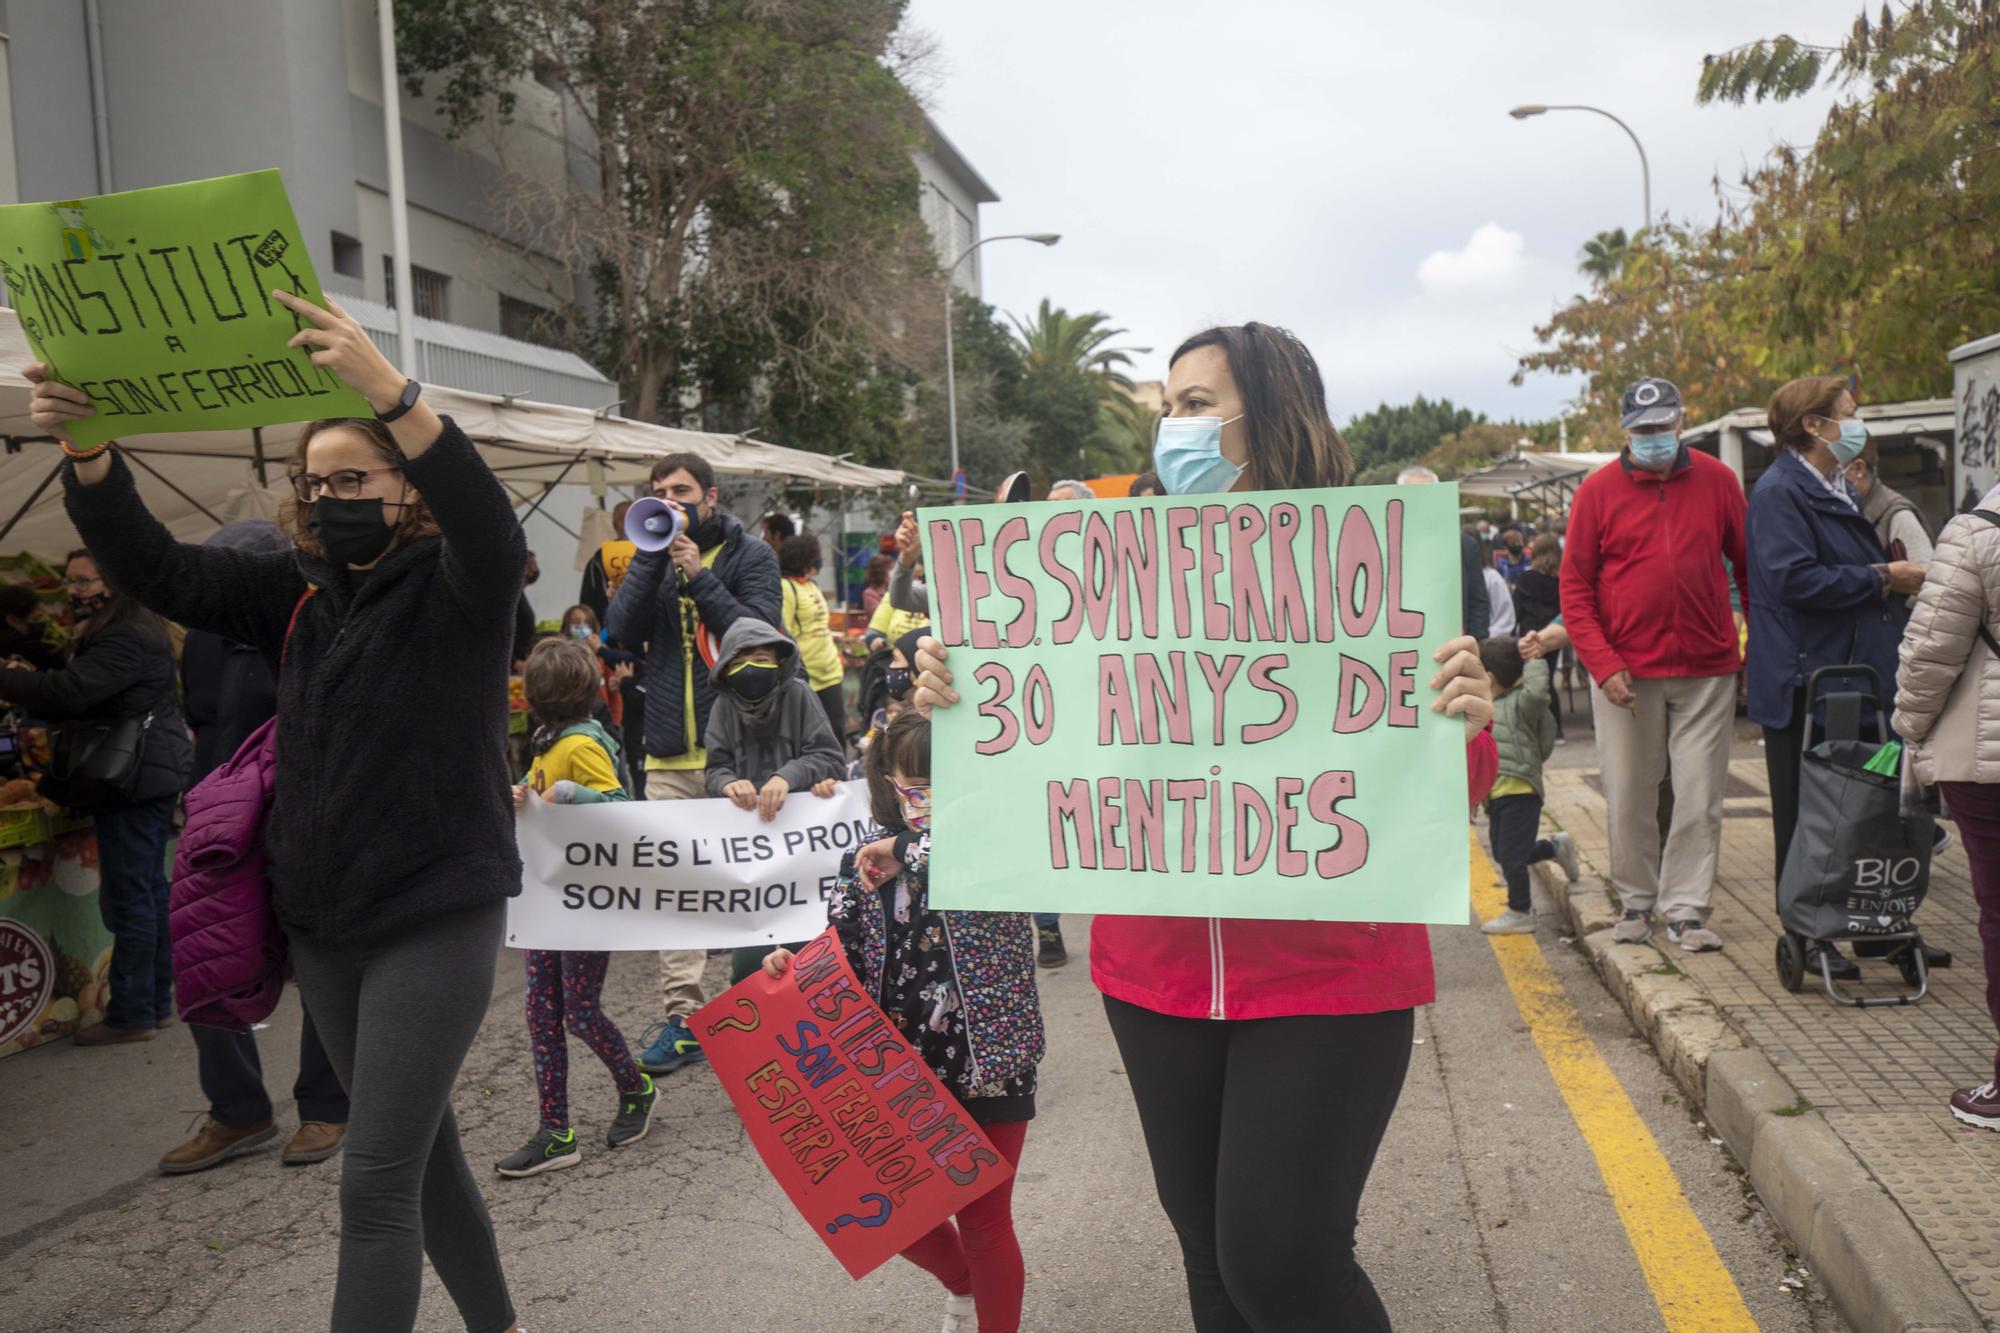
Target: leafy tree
1126, 428
991, 441
1872, 252
747, 197
1387, 437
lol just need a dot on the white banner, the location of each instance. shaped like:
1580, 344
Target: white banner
680, 874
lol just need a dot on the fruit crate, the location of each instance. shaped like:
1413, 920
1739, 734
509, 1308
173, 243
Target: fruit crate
21, 825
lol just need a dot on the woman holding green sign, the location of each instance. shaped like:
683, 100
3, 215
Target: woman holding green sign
1262, 1127
389, 627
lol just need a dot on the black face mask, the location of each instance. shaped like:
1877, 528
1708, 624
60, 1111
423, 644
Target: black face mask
352, 531
899, 680
751, 681
83, 608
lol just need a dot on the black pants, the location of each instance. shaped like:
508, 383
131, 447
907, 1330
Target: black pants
1513, 823
835, 703
1262, 1133
232, 1077
1781, 775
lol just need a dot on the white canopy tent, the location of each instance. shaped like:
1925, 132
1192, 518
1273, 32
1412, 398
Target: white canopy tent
196, 481
1547, 480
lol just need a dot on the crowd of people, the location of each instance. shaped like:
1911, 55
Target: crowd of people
378, 620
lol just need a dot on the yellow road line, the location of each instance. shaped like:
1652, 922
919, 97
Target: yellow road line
1689, 1282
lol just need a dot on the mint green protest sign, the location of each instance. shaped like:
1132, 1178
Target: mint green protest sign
157, 303
1200, 706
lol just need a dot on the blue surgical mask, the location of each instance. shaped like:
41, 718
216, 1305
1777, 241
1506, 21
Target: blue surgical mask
1853, 439
1651, 450
1187, 453
581, 632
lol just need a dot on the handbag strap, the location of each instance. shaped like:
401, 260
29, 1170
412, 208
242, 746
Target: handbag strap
293, 623
1985, 633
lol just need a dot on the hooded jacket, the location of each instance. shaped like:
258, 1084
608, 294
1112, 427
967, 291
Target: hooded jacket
784, 734
742, 580
125, 670
390, 789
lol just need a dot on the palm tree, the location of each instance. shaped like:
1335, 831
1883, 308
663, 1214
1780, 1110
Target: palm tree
1604, 255
1058, 338
1126, 429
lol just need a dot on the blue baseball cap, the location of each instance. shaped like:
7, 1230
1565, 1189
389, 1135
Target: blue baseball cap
1650, 402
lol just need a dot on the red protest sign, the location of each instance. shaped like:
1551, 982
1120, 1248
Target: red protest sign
868, 1143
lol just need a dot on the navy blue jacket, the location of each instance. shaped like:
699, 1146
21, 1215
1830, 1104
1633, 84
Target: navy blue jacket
743, 581
1815, 596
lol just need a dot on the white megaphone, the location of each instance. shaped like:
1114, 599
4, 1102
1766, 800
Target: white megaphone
652, 524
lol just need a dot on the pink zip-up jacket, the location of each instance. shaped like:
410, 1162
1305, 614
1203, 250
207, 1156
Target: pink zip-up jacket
1194, 967
229, 952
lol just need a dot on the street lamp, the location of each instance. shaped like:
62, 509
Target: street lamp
1645, 172
950, 380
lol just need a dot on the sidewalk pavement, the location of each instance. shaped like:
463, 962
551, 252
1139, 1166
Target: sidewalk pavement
1830, 1107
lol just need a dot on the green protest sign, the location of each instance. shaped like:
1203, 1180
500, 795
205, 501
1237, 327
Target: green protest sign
1200, 706
157, 303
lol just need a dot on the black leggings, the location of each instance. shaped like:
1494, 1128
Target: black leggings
1262, 1132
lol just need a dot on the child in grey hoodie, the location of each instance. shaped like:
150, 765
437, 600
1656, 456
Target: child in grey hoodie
767, 734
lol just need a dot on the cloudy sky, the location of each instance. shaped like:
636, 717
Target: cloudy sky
1344, 168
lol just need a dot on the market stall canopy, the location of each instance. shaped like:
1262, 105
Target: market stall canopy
195, 482
1518, 473
1919, 416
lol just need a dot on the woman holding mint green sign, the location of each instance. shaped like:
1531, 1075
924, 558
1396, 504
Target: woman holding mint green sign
1262, 1127
389, 628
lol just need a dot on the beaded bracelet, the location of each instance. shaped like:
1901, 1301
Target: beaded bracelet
83, 455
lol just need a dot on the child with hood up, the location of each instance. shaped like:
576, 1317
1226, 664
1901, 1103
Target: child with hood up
767, 735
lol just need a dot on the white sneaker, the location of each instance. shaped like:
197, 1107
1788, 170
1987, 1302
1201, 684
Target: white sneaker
1511, 922
1566, 856
959, 1315
1633, 928
1692, 936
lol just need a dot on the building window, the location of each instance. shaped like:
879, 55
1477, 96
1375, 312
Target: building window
347, 256
529, 322
432, 289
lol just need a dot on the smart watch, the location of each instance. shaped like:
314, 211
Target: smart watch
408, 400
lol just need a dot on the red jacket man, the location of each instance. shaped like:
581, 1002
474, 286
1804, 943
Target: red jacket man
1646, 602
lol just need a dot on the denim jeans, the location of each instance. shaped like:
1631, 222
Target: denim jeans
1048, 920
132, 897
232, 1077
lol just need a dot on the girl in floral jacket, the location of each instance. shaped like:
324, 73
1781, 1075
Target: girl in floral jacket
961, 987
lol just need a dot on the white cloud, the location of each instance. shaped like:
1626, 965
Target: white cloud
1493, 261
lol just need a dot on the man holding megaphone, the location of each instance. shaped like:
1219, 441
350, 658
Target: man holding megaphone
697, 572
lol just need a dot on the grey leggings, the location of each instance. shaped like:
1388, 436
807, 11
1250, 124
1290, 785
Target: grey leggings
397, 1018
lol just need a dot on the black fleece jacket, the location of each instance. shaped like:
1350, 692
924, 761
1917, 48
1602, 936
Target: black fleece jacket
125, 671
391, 802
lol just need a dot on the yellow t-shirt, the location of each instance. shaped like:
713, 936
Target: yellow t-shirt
894, 624
806, 622
696, 756
578, 759
1508, 786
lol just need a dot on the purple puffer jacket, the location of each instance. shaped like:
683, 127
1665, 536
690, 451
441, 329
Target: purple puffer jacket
229, 953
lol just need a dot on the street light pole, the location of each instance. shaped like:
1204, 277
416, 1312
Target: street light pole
1645, 171
950, 378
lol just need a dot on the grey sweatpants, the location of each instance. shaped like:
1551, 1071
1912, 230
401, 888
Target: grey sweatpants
397, 1018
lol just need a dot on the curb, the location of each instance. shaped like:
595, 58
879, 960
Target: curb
1858, 1242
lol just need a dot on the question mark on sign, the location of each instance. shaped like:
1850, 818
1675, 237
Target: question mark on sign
735, 1023
882, 1208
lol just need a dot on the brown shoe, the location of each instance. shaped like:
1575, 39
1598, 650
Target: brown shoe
315, 1142
163, 1024
214, 1144
103, 1034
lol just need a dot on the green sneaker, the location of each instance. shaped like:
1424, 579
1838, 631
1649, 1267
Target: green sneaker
549, 1150
635, 1115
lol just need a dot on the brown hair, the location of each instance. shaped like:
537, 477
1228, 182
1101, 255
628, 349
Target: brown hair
1292, 441
589, 616
561, 681
905, 747
417, 521
1813, 396
1548, 554
878, 571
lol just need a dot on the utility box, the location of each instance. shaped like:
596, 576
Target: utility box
1975, 393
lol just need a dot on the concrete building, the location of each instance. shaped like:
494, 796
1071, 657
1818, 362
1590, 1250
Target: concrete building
952, 194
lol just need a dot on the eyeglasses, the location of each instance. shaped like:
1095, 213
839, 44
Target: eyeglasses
344, 485
81, 584
916, 796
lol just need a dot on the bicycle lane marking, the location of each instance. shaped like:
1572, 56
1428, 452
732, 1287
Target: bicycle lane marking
1690, 1284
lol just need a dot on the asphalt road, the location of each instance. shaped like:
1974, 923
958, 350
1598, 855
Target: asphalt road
1486, 1211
